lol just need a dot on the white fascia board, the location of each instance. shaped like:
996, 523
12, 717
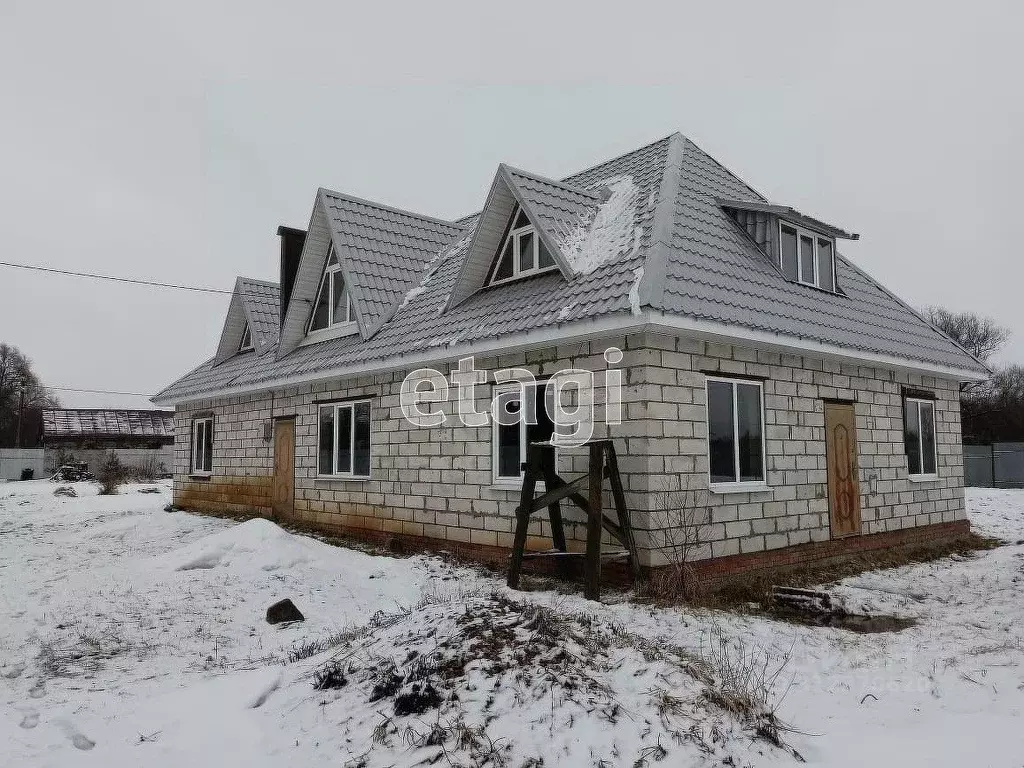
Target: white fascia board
581, 330
776, 342
608, 325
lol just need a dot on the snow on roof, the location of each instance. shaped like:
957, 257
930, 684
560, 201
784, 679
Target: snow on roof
650, 232
96, 422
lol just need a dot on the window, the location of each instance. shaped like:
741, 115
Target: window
735, 431
333, 302
344, 439
919, 436
806, 257
510, 440
202, 446
522, 251
245, 344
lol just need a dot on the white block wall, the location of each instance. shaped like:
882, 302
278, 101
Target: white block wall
437, 483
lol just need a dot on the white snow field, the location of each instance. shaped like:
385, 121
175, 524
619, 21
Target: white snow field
130, 636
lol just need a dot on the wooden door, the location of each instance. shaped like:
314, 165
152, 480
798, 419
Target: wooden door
841, 459
284, 468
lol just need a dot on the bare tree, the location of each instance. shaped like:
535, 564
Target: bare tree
979, 335
994, 410
680, 522
22, 397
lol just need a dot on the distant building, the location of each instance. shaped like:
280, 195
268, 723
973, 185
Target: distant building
89, 435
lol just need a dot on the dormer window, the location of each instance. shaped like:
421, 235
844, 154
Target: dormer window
807, 257
333, 302
245, 345
522, 251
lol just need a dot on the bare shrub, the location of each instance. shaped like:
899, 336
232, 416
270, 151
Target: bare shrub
743, 679
679, 531
81, 648
111, 476
145, 471
329, 676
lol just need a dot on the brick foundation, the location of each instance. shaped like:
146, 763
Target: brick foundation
713, 573
820, 553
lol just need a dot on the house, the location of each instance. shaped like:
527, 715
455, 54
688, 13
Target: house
811, 411
90, 435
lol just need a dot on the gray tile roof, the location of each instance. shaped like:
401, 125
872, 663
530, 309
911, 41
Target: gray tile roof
84, 423
717, 273
554, 205
385, 250
697, 264
261, 300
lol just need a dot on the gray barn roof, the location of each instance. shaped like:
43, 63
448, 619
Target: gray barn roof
667, 253
93, 423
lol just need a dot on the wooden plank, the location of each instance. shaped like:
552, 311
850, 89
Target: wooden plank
562, 490
554, 509
563, 555
625, 523
515, 565
574, 496
592, 564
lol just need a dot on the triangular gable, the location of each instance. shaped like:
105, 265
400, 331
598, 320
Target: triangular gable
253, 306
382, 252
554, 208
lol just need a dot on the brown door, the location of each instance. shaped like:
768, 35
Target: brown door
841, 457
284, 468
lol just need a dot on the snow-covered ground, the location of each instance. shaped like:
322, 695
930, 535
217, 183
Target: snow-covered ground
133, 636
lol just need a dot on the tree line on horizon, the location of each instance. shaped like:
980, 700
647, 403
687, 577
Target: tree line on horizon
991, 411
22, 400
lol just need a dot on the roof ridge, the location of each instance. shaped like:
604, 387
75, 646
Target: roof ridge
652, 285
384, 207
565, 180
101, 410
257, 281
618, 157
725, 168
552, 182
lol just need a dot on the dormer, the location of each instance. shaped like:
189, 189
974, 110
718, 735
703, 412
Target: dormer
245, 345
526, 227
252, 320
522, 253
356, 263
806, 256
802, 247
333, 314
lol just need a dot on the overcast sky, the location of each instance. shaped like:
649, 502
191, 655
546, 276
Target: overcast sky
168, 145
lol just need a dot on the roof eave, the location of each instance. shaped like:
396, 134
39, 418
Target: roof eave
790, 214
614, 324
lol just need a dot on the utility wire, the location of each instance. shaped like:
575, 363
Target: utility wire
93, 276
97, 391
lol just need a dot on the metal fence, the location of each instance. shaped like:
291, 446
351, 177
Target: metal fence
1000, 465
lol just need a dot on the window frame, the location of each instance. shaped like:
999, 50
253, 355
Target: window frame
197, 468
919, 401
815, 238
515, 235
736, 485
507, 480
336, 405
246, 334
331, 271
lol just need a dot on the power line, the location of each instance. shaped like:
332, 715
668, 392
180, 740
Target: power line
198, 289
97, 391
